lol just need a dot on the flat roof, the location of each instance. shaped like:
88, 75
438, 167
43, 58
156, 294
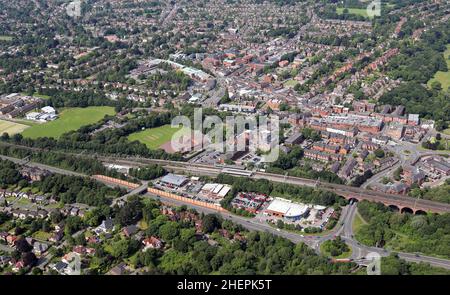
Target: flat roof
174, 179
287, 208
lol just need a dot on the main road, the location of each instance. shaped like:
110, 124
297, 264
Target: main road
346, 191
400, 201
343, 228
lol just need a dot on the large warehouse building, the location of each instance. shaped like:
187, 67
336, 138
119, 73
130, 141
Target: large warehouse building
174, 180
287, 209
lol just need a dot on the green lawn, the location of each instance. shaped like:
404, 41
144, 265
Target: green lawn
23, 201
342, 256
42, 235
5, 38
443, 77
357, 11
43, 96
290, 83
69, 119
11, 128
153, 138
358, 222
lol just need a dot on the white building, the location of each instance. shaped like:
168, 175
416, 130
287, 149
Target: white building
32, 116
48, 110
287, 209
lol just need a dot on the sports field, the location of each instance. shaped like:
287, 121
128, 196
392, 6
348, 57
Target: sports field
443, 77
69, 119
357, 11
11, 128
153, 138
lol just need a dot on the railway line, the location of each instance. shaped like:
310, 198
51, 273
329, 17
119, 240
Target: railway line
349, 192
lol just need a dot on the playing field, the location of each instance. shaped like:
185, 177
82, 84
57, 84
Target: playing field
357, 11
11, 128
69, 119
153, 138
443, 77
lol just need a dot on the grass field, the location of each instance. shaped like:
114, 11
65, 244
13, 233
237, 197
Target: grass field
443, 77
5, 38
358, 222
69, 119
153, 138
11, 128
342, 256
43, 96
357, 11
42, 235
290, 83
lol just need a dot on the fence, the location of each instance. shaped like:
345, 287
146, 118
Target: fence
186, 200
117, 181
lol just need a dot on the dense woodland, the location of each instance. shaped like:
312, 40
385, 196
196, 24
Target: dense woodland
73, 189
88, 166
440, 193
148, 172
416, 64
9, 174
428, 234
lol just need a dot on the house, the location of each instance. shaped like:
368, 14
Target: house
59, 267
295, 138
11, 240
79, 250
118, 270
152, 243
48, 110
18, 266
106, 226
4, 260
39, 248
93, 240
130, 230
212, 242
56, 237
3, 236
59, 226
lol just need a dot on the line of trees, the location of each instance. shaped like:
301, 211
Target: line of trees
428, 234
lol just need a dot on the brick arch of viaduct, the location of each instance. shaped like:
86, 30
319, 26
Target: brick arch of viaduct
393, 203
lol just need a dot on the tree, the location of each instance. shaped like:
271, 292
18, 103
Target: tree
379, 153
29, 259
436, 85
210, 223
23, 246
397, 173
169, 230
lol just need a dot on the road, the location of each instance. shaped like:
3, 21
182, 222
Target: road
348, 191
344, 228
203, 169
